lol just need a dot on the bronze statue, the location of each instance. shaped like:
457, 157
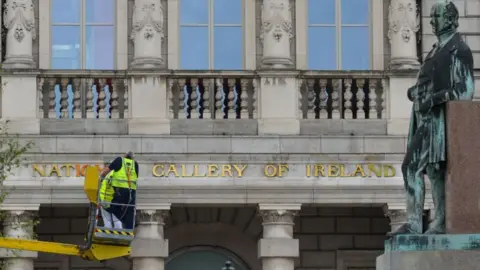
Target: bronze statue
446, 74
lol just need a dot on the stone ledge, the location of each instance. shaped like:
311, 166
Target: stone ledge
171, 144
429, 260
83, 126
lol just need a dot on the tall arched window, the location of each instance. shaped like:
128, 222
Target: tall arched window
82, 34
203, 258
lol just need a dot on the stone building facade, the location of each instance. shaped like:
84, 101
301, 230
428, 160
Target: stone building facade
266, 134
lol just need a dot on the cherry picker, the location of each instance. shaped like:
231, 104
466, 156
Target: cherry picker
101, 243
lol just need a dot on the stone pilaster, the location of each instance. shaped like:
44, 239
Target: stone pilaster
149, 249
19, 224
276, 33
19, 19
277, 248
147, 34
404, 23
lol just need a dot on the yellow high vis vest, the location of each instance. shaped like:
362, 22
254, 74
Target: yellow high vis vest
126, 177
106, 190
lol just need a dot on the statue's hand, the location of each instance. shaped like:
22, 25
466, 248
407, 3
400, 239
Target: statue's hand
412, 93
425, 107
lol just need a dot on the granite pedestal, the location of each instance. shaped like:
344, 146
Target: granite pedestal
431, 252
463, 177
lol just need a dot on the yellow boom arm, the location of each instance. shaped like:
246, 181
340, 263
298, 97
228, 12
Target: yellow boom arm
96, 252
93, 251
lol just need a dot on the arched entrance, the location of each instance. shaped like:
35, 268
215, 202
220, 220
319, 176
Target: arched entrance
203, 258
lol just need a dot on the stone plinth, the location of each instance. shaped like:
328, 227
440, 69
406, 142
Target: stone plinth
429, 260
462, 184
431, 252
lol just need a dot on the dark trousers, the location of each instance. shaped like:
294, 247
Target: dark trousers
124, 212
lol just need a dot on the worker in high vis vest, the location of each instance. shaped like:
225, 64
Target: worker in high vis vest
106, 197
124, 182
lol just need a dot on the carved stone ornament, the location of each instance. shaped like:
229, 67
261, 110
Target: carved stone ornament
147, 16
278, 216
276, 20
19, 16
154, 217
403, 18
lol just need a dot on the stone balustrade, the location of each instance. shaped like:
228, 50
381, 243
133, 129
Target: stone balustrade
202, 102
71, 95
210, 96
352, 95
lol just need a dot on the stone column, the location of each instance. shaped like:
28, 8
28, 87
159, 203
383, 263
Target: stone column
150, 248
404, 23
147, 34
19, 19
277, 248
19, 224
276, 33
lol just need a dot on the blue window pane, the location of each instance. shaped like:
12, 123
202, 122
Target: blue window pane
227, 11
321, 11
322, 48
194, 47
228, 50
355, 48
66, 47
355, 11
100, 11
99, 49
65, 11
194, 11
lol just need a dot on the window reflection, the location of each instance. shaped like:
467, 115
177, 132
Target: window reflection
224, 34
341, 42
95, 30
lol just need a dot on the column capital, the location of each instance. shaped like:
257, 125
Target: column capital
152, 216
19, 217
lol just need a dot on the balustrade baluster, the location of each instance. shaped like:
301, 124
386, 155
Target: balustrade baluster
182, 98
64, 84
337, 99
52, 104
91, 106
77, 98
126, 99
219, 97
323, 110
311, 98
360, 96
194, 96
254, 97
385, 87
372, 99
207, 114
244, 113
232, 88
348, 114
114, 109
40, 97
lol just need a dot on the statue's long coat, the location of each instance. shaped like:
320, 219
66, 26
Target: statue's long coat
446, 74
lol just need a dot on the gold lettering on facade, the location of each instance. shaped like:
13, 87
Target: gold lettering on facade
271, 170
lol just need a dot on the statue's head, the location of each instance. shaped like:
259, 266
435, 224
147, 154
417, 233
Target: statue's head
444, 16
